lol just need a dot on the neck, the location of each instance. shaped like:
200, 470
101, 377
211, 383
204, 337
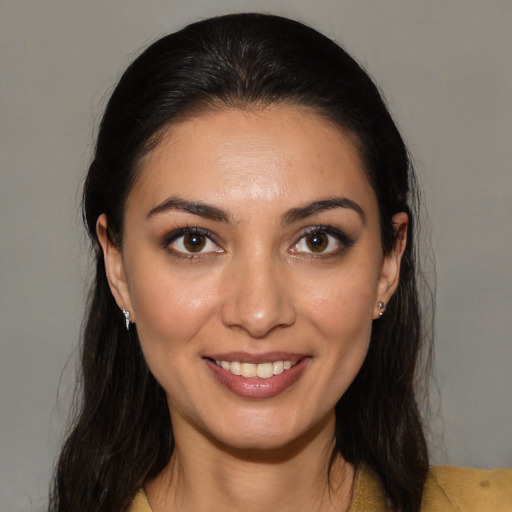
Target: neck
203, 475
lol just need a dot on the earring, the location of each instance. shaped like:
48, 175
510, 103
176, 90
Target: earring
126, 314
382, 308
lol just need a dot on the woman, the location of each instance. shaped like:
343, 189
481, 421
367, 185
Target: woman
254, 327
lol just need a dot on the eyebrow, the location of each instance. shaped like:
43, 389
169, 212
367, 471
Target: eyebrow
210, 212
195, 207
322, 205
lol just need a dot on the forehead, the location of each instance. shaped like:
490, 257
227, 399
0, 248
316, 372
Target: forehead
282, 154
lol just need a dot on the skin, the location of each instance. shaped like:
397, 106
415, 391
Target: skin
256, 286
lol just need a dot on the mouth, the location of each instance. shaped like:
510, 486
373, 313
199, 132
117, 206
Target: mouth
257, 376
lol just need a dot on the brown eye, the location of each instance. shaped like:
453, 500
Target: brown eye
191, 243
317, 242
322, 242
194, 242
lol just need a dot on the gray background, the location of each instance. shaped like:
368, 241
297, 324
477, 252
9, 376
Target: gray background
445, 68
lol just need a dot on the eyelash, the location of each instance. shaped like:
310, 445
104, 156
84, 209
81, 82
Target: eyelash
345, 241
176, 234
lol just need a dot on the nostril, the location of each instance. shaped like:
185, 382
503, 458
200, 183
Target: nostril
257, 302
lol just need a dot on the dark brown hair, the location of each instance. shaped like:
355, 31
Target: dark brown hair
122, 433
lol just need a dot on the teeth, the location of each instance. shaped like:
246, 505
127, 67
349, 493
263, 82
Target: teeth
249, 370
278, 367
262, 370
234, 367
265, 370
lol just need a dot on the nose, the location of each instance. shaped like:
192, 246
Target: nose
258, 299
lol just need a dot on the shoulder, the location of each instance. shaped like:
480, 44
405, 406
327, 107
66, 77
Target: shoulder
450, 488
447, 489
140, 503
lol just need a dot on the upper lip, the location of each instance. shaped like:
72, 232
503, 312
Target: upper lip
254, 358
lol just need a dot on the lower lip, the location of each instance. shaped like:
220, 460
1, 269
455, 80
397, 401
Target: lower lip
258, 388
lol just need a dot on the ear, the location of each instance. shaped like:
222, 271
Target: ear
390, 270
114, 267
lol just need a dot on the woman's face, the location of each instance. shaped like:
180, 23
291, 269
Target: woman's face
252, 266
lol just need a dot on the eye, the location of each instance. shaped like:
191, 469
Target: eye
322, 241
191, 241
317, 242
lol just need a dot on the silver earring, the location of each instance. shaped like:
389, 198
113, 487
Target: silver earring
382, 308
126, 314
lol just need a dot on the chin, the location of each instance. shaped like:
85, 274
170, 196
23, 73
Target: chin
272, 438
261, 448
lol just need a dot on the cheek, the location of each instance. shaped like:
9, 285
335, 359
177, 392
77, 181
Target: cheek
342, 307
171, 308
341, 312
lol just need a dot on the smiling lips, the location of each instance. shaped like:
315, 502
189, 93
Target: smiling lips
257, 377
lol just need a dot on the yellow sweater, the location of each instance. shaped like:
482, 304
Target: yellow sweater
448, 489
